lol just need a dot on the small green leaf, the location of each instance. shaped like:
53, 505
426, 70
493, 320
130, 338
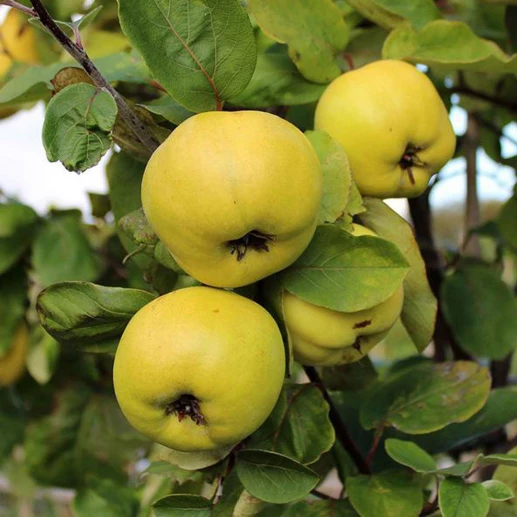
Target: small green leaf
393, 13
450, 46
78, 124
277, 82
427, 397
169, 109
409, 454
337, 179
43, 355
458, 470
208, 50
314, 31
390, 494
345, 273
136, 226
179, 505
61, 241
470, 294
420, 306
497, 490
17, 228
459, 499
298, 427
88, 316
274, 478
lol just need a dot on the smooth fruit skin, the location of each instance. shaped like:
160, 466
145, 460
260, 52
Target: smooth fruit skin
222, 175
323, 337
221, 348
376, 112
12, 365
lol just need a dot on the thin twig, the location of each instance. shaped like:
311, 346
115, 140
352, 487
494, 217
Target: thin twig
80, 55
375, 445
472, 210
465, 90
19, 7
339, 427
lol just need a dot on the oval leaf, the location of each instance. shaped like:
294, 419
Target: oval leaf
83, 314
337, 179
206, 49
17, 228
427, 397
393, 13
459, 499
314, 31
178, 505
298, 427
506, 222
468, 296
274, 478
420, 306
345, 273
409, 454
331, 508
389, 494
449, 45
78, 124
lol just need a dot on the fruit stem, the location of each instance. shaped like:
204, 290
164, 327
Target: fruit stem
186, 406
255, 240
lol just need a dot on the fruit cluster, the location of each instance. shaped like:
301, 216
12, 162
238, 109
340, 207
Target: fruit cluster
235, 196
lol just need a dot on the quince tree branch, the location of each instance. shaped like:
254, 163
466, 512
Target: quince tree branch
77, 51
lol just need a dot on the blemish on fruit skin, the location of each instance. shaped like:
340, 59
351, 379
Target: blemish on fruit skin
216, 310
362, 324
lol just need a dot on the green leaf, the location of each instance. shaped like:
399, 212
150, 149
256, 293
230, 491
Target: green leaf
497, 490
337, 179
50, 441
390, 494
17, 228
136, 226
208, 50
105, 498
427, 397
345, 273
506, 221
449, 46
13, 293
88, 316
62, 252
314, 31
410, 454
480, 309
350, 377
179, 505
459, 499
274, 478
35, 82
420, 306
169, 109
458, 470
332, 508
43, 355
298, 427
277, 82
497, 459
500, 409
393, 13
78, 124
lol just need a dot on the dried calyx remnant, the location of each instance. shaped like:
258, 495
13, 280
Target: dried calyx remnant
186, 406
410, 159
255, 240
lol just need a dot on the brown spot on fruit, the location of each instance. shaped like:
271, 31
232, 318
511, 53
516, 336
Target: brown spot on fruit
362, 324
